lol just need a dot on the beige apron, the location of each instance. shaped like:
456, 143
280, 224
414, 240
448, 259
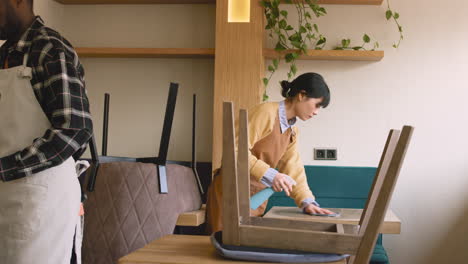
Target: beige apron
39, 213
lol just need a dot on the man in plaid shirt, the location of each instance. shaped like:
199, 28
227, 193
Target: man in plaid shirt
45, 125
58, 82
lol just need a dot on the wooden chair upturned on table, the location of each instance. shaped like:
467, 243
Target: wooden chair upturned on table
138, 200
240, 229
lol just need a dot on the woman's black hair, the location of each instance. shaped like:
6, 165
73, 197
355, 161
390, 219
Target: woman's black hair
311, 83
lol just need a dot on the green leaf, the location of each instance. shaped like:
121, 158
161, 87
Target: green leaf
396, 15
388, 14
275, 12
289, 57
282, 38
289, 27
302, 30
295, 55
357, 48
296, 44
283, 24
395, 46
288, 1
271, 68
308, 26
289, 75
293, 69
366, 38
316, 27
268, 26
345, 42
295, 37
400, 28
279, 47
376, 45
265, 97
322, 11
265, 3
284, 13
265, 81
275, 63
321, 41
307, 15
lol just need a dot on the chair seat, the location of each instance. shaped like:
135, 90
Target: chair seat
270, 255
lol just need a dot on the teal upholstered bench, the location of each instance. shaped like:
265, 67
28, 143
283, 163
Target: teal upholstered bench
338, 187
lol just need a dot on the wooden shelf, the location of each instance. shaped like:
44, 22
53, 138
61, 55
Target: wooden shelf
350, 2
194, 218
145, 53
152, 2
339, 55
133, 2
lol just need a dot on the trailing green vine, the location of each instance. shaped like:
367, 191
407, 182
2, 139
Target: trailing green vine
292, 42
395, 16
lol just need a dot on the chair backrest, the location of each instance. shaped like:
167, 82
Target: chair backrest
381, 192
302, 235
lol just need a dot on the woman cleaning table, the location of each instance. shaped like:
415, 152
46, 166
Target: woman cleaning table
274, 159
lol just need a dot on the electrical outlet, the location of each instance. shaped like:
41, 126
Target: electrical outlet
331, 154
325, 154
320, 154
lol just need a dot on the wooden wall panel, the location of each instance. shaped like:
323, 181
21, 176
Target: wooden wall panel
239, 66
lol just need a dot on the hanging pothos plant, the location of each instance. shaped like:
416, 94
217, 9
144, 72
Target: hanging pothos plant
292, 42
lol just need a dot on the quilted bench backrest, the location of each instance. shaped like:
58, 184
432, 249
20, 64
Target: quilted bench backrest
126, 210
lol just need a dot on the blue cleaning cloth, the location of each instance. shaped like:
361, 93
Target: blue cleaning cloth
257, 199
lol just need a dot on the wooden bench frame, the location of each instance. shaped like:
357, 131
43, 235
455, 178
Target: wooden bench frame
243, 230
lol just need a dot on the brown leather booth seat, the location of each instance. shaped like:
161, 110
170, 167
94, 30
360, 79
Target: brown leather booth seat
126, 210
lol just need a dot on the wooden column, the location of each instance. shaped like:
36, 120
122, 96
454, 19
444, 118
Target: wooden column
239, 66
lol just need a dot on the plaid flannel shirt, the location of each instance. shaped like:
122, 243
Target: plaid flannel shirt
58, 83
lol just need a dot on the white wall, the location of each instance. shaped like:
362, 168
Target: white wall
52, 13
422, 84
139, 87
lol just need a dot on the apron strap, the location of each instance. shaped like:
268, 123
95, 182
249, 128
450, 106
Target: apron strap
25, 59
26, 72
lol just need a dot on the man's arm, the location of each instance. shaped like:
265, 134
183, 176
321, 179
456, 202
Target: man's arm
65, 103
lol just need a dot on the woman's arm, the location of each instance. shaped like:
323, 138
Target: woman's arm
291, 164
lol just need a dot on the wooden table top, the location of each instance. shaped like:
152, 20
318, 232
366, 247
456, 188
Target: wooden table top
194, 218
182, 249
391, 225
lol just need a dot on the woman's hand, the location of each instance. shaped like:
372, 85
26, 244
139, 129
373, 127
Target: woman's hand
313, 209
283, 182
